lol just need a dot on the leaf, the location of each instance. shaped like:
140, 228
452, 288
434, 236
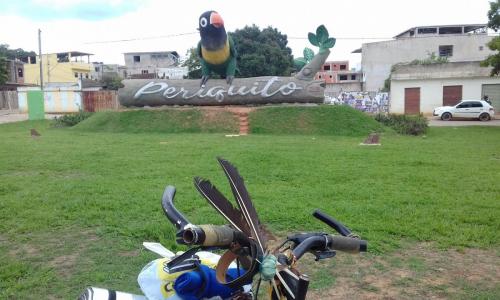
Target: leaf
313, 39
299, 63
308, 54
329, 43
322, 34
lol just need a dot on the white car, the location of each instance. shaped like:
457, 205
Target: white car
478, 109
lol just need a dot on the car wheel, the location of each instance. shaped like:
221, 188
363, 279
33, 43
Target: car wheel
484, 117
446, 116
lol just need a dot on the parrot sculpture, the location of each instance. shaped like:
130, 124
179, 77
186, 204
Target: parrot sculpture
216, 48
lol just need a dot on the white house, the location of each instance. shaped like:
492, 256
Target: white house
420, 88
456, 42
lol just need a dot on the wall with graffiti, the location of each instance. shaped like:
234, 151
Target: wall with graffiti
370, 102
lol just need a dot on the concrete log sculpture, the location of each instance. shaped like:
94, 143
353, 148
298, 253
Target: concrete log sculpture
301, 88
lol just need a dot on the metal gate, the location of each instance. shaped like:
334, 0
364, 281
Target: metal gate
412, 101
452, 94
493, 93
100, 100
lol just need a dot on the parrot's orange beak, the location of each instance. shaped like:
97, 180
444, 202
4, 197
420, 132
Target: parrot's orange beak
216, 20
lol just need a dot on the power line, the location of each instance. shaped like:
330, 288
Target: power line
196, 32
142, 38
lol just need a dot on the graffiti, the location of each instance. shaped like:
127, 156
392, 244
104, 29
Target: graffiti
259, 87
370, 102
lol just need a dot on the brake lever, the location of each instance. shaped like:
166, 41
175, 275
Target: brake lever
323, 254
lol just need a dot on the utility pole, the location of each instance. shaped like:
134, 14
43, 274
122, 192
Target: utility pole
40, 56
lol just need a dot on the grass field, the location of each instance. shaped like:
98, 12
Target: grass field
76, 205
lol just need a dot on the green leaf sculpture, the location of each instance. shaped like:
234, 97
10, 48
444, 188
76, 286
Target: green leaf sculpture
321, 39
300, 62
308, 54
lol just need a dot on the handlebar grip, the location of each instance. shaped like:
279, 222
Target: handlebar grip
211, 235
347, 244
339, 227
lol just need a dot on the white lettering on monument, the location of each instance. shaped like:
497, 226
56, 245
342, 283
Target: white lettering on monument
264, 88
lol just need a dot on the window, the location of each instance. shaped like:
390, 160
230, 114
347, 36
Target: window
427, 30
464, 105
326, 67
97, 69
20, 73
144, 72
76, 74
353, 77
476, 104
331, 76
450, 30
342, 77
137, 58
481, 48
87, 75
343, 67
446, 51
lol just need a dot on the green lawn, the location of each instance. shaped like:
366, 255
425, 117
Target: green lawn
75, 206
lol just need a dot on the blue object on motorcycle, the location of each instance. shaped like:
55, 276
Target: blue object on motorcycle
202, 283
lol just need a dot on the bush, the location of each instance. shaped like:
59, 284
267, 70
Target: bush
404, 124
71, 119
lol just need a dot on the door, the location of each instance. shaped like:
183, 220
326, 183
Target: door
463, 110
452, 94
493, 93
412, 101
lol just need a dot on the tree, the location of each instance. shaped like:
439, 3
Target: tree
112, 82
192, 62
4, 75
18, 53
494, 45
262, 52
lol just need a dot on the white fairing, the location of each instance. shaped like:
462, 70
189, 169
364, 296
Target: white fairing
94, 293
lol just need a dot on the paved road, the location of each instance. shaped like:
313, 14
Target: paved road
6, 117
435, 121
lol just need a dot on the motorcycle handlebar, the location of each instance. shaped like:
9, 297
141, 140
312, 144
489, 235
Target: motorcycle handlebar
173, 215
323, 242
338, 226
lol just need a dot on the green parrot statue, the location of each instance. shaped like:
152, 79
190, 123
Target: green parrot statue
216, 48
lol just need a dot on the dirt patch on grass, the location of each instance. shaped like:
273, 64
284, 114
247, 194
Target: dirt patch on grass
418, 272
61, 251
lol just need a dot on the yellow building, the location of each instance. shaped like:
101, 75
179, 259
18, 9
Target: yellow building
58, 67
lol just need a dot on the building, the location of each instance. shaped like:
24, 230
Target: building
421, 88
58, 67
147, 64
173, 72
15, 75
101, 70
456, 42
339, 78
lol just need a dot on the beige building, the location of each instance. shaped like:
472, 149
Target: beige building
421, 88
58, 68
148, 64
456, 42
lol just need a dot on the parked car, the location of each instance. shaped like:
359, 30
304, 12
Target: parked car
478, 109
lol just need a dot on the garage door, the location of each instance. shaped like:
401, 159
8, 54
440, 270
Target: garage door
452, 94
412, 101
493, 92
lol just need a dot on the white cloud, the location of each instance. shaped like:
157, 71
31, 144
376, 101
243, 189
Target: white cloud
355, 18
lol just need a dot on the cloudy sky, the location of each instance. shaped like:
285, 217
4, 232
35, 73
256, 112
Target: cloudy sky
109, 28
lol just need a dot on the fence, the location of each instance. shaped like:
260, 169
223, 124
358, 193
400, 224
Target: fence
370, 102
8, 100
70, 101
100, 100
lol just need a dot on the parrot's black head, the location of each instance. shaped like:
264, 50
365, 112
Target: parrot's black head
212, 32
